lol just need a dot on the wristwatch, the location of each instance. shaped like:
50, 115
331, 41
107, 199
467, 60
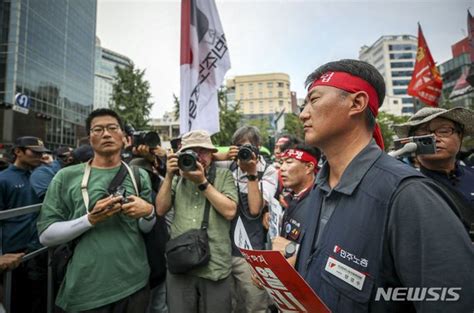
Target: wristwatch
151, 216
252, 177
203, 186
290, 249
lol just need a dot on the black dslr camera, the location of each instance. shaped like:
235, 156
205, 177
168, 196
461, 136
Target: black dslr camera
147, 138
187, 160
245, 152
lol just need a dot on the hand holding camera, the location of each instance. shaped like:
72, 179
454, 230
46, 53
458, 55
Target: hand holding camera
136, 207
248, 158
172, 165
197, 176
105, 208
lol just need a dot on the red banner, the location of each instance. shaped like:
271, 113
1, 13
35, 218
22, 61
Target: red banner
286, 287
426, 83
470, 34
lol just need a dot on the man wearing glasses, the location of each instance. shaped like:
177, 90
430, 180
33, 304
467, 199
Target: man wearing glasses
18, 234
109, 269
449, 128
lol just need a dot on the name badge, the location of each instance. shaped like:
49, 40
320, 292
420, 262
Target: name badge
292, 230
345, 273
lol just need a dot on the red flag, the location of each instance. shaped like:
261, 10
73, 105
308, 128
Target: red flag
470, 34
426, 83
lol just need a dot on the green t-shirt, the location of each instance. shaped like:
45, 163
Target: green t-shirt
188, 204
109, 261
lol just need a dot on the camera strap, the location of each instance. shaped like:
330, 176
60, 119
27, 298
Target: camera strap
210, 178
116, 181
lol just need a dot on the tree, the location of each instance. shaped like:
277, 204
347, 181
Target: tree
386, 121
176, 107
264, 126
229, 119
131, 96
293, 125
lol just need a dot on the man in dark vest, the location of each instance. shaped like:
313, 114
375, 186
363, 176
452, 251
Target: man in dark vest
384, 238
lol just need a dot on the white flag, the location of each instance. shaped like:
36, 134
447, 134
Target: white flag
204, 62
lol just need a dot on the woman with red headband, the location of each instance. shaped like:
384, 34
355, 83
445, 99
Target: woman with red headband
377, 223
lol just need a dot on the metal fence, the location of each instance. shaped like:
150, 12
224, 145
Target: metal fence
7, 278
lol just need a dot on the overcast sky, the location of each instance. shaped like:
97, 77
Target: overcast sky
265, 36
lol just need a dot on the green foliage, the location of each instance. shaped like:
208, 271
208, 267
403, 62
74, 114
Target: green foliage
385, 121
293, 125
263, 126
176, 107
131, 96
229, 119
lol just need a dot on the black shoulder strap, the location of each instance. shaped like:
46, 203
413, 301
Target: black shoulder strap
118, 179
211, 176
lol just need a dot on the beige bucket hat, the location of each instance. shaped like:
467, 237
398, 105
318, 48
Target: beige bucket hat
460, 115
195, 139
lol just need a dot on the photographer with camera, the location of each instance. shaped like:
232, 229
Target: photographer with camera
256, 182
204, 200
98, 205
449, 128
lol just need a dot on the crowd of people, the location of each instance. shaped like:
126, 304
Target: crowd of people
119, 205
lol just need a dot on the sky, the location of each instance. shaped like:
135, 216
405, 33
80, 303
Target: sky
265, 36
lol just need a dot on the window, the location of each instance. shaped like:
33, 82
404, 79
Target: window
402, 91
404, 82
406, 47
280, 94
270, 85
401, 56
280, 84
401, 73
408, 110
280, 103
407, 100
401, 64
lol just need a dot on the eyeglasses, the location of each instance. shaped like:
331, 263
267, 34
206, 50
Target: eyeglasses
442, 132
99, 130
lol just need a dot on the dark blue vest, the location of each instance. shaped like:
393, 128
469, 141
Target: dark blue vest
354, 236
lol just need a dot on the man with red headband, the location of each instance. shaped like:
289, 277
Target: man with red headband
383, 235
299, 166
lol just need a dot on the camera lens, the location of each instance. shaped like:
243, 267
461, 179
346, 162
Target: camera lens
152, 139
187, 161
245, 154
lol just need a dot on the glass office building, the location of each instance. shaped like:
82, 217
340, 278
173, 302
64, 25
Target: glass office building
47, 54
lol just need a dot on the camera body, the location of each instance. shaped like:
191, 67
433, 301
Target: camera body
245, 152
148, 138
424, 144
121, 191
187, 160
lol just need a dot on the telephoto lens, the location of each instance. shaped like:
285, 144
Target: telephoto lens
187, 161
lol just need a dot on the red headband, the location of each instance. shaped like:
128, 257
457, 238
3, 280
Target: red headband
351, 84
301, 156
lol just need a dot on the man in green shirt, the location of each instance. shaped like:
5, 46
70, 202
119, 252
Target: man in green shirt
207, 288
109, 270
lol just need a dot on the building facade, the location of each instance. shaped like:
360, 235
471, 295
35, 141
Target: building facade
452, 71
394, 57
46, 69
167, 126
260, 96
105, 62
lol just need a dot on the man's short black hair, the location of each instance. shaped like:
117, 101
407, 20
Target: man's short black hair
359, 69
102, 112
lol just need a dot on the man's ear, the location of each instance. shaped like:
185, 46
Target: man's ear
359, 102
